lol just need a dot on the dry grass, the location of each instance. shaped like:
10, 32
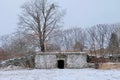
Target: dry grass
109, 66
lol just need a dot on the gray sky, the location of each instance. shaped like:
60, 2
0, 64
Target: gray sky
81, 13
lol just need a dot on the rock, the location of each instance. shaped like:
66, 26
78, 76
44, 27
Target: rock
26, 62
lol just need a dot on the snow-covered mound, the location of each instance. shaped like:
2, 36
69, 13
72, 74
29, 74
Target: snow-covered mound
65, 74
11, 67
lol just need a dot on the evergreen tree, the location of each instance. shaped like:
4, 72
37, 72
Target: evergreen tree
113, 44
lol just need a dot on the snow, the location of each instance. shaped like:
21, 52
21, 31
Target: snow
60, 74
11, 67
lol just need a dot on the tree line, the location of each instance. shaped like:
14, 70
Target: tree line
94, 38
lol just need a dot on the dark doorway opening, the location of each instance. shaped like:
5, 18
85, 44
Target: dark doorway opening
60, 64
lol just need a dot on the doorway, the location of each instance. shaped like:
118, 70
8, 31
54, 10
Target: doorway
60, 64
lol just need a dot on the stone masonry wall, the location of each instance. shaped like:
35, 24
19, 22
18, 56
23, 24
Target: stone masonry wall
71, 60
76, 61
45, 61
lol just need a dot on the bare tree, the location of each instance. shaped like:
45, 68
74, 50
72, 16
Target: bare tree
40, 17
70, 37
101, 40
67, 39
55, 42
17, 43
79, 39
5, 43
91, 40
98, 38
78, 47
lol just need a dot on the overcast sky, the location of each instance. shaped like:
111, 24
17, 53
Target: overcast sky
81, 13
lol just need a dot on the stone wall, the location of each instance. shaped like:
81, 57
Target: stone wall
45, 61
76, 61
50, 60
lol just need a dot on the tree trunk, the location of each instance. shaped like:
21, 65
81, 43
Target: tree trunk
42, 47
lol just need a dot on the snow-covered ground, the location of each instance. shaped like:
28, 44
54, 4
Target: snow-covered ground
56, 74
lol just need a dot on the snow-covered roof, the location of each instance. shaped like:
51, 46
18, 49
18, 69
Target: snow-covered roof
67, 53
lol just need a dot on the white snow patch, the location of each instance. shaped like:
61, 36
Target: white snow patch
64, 74
11, 67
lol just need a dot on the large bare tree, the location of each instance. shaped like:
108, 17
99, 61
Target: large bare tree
40, 17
